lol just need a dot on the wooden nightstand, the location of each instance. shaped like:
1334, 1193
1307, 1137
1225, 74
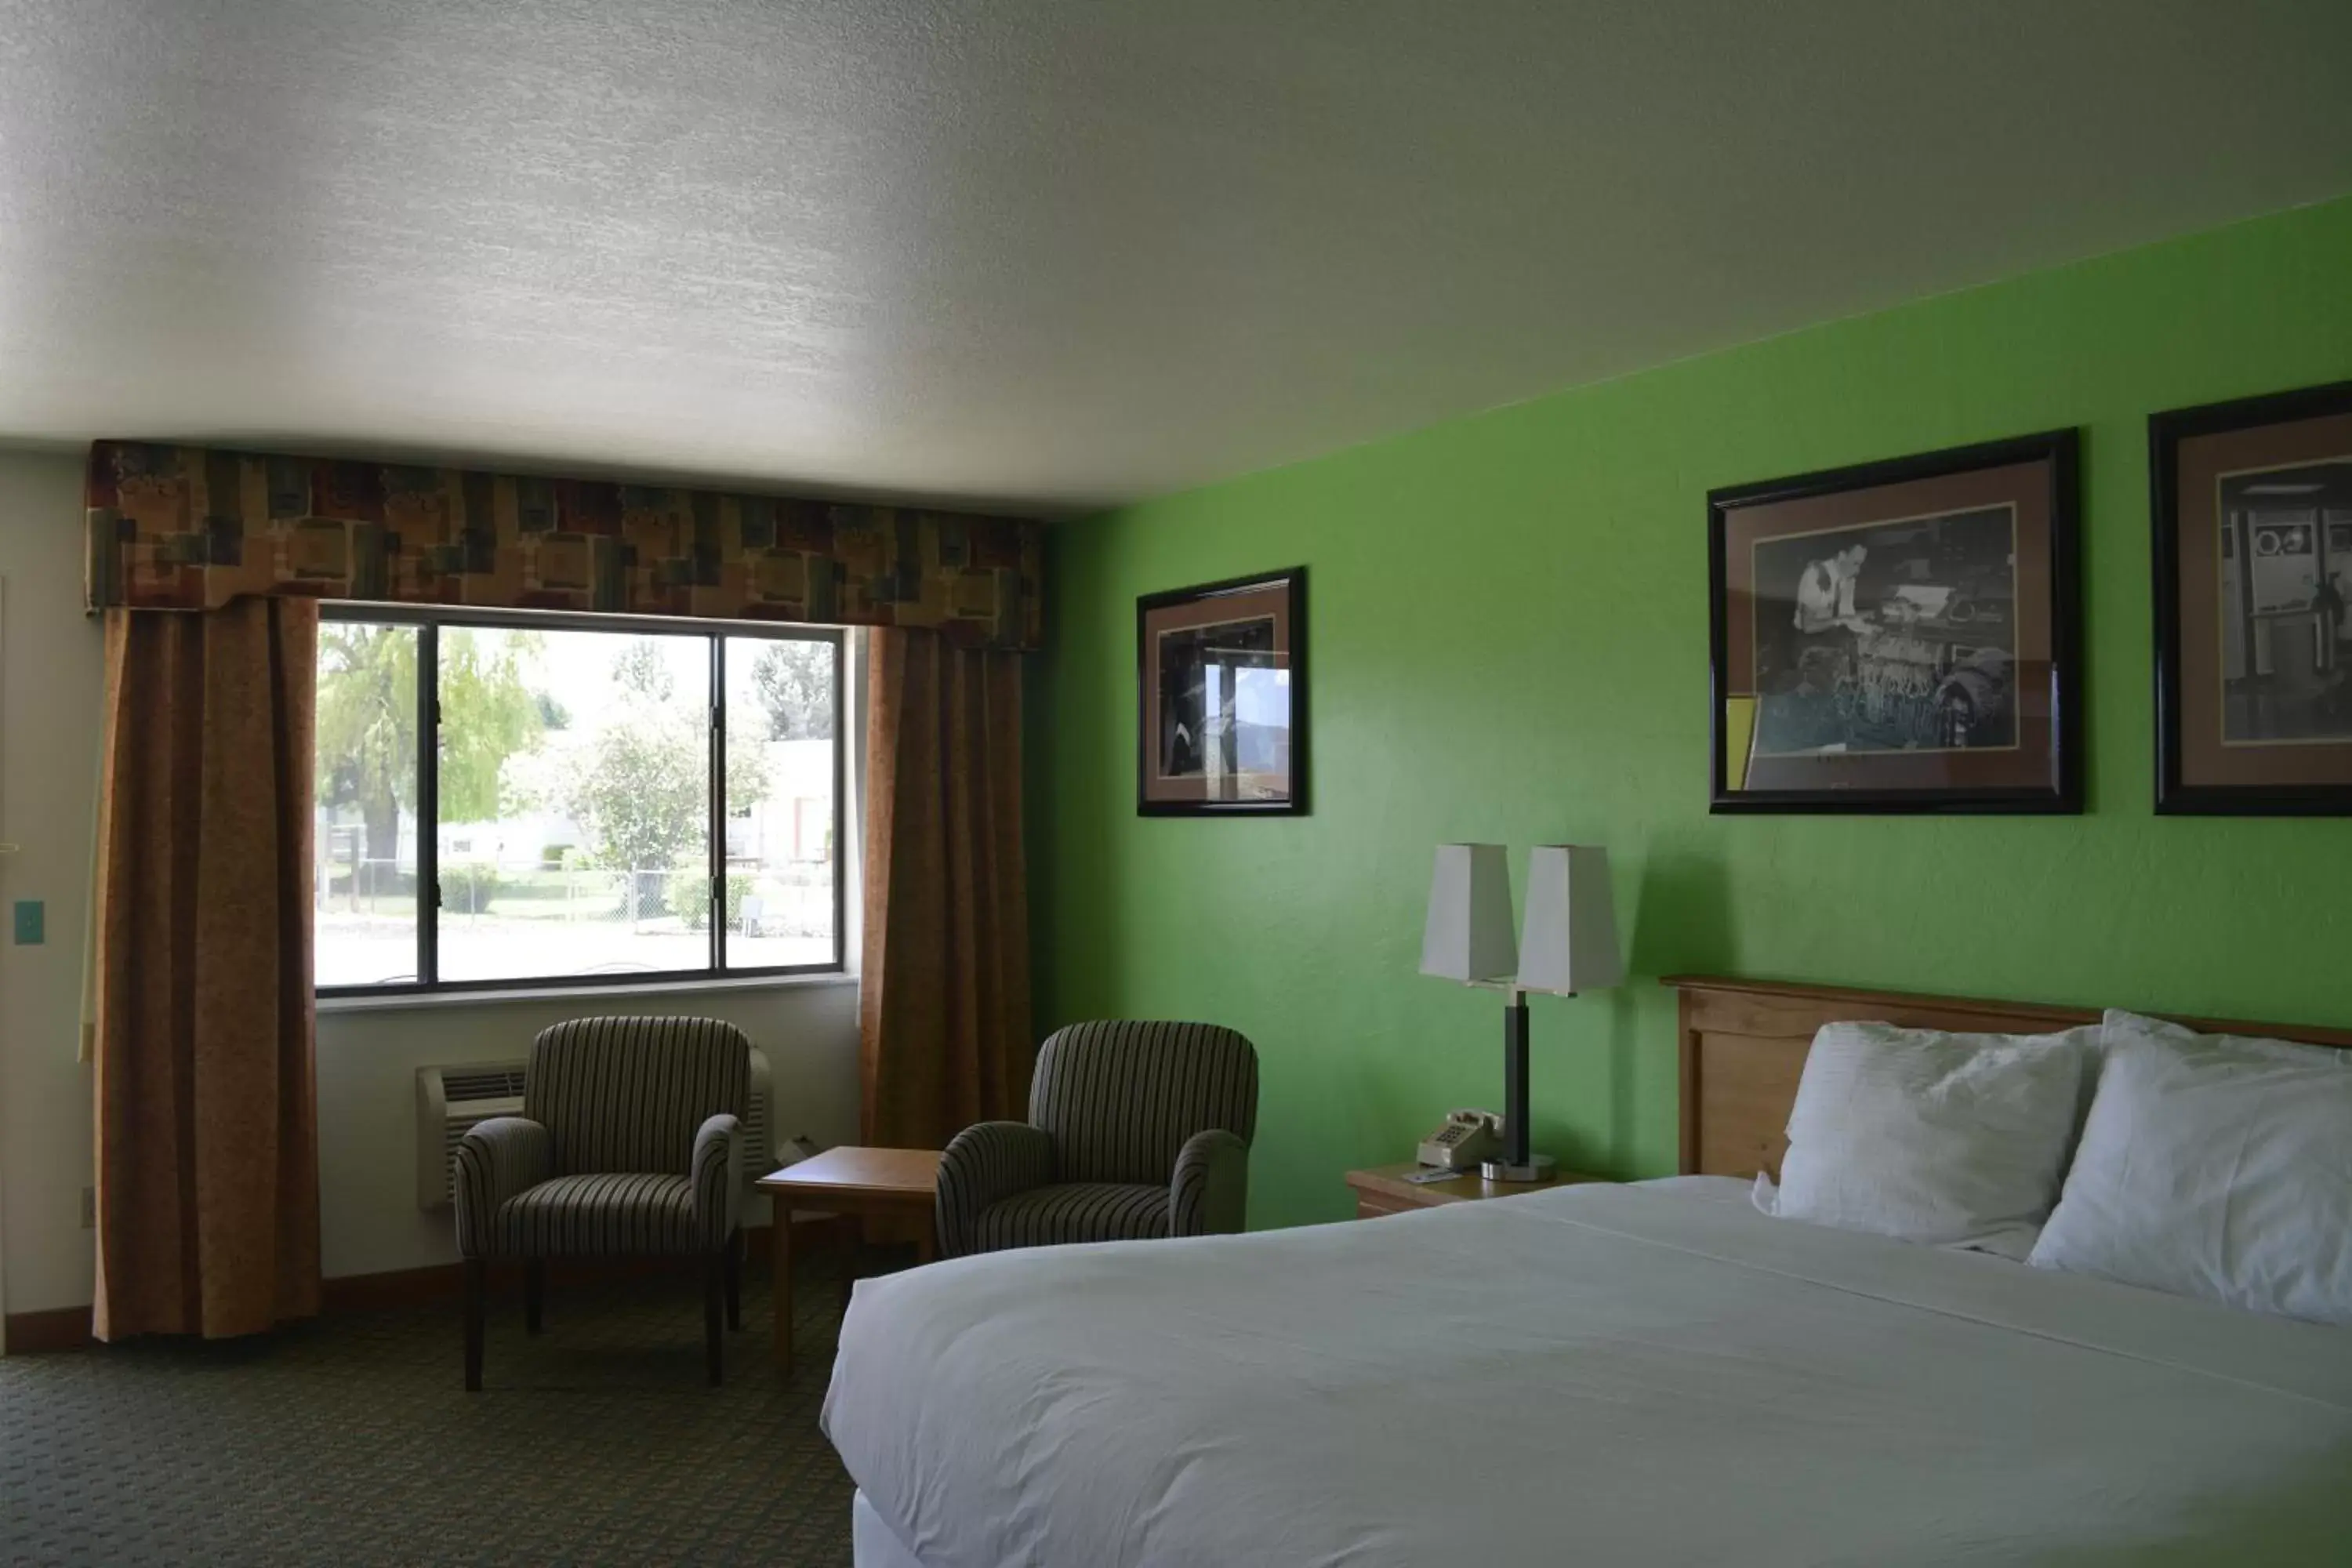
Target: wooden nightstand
1381, 1190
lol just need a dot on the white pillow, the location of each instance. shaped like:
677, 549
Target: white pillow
1935, 1138
2213, 1166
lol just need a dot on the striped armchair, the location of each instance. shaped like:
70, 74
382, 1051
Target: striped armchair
1134, 1130
630, 1142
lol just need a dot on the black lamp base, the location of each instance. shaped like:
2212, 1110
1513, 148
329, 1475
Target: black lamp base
1539, 1168
1517, 1164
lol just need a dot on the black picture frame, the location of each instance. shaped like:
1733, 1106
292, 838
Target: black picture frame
2056, 726
2176, 726
1280, 599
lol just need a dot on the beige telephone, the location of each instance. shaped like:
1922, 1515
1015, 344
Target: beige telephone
1464, 1138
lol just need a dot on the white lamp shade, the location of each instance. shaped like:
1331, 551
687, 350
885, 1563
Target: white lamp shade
1468, 936
1571, 922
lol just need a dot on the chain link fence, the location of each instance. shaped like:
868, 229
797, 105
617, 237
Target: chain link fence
500, 922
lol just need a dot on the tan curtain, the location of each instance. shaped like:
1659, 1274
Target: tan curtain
944, 1008
208, 1130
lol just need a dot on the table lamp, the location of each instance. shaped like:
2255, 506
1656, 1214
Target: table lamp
1571, 946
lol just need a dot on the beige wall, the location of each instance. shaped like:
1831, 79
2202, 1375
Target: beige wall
50, 680
367, 1091
51, 684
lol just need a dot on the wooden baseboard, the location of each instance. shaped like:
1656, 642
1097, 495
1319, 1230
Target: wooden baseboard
446, 1281
67, 1328
58, 1328
396, 1287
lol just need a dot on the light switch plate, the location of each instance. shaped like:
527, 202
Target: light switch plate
28, 922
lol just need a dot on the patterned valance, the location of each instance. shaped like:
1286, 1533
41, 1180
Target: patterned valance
189, 528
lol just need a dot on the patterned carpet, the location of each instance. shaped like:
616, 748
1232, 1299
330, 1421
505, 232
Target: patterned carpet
350, 1441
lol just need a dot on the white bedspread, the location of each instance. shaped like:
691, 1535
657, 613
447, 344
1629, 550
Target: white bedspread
1595, 1375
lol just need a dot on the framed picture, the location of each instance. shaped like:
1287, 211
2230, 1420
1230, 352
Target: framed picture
1900, 636
1221, 697
2252, 512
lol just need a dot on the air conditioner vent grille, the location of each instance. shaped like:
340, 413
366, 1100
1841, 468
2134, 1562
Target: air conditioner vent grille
481, 1083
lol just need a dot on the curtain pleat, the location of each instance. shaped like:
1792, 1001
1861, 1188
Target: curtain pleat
207, 1110
944, 1003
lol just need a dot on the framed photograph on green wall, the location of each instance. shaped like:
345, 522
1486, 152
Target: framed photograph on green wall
1900, 636
2252, 513
1221, 697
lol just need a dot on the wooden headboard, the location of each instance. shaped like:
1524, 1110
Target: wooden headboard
1744, 1043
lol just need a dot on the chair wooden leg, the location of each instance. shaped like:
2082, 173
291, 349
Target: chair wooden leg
534, 1295
714, 1286
476, 1289
735, 1282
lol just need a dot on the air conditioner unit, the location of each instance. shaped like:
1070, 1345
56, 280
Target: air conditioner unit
760, 1126
451, 1098
449, 1101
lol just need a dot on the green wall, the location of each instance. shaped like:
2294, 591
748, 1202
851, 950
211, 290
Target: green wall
1507, 635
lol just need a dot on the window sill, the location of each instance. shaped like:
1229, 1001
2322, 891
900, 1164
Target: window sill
330, 1005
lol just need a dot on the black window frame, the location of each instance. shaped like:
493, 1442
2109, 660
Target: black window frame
429, 623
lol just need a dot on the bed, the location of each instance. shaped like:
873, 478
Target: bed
1653, 1372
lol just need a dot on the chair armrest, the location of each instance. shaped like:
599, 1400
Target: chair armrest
497, 1160
1210, 1194
984, 1164
718, 1177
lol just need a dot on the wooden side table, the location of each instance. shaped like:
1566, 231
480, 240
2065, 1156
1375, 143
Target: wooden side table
1381, 1190
857, 1183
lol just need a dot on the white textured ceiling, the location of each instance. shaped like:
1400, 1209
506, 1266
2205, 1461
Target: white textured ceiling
1053, 254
